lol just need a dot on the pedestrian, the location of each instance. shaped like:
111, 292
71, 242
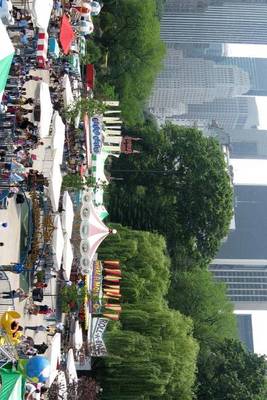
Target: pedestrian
40, 285
14, 294
41, 348
37, 328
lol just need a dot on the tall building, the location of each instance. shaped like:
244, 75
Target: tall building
229, 113
189, 5
246, 284
236, 21
195, 81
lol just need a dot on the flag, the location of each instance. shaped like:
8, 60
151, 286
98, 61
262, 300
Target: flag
6, 55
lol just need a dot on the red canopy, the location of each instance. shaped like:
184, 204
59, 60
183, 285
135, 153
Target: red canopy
66, 34
90, 76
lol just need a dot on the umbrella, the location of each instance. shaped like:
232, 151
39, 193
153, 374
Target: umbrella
78, 336
54, 356
57, 243
12, 385
46, 110
93, 231
67, 257
66, 35
58, 136
6, 55
54, 187
41, 11
71, 369
67, 214
67, 94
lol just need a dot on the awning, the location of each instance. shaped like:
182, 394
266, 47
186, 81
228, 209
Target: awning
66, 35
67, 257
58, 136
71, 369
67, 94
57, 243
54, 357
6, 55
67, 214
53, 47
98, 168
41, 12
90, 76
46, 110
54, 188
13, 385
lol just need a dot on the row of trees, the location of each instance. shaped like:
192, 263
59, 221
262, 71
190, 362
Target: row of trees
158, 352
152, 352
127, 40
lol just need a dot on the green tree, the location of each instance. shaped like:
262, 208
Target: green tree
151, 352
197, 295
131, 33
177, 185
232, 373
73, 182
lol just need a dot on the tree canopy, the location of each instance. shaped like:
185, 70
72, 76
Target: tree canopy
232, 373
197, 295
152, 354
177, 185
130, 32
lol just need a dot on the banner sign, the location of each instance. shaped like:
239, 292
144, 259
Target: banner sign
98, 345
96, 134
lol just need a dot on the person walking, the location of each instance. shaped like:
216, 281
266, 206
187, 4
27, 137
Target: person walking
13, 294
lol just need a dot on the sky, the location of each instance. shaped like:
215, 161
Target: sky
245, 50
249, 171
259, 328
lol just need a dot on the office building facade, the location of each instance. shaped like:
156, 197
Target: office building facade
195, 81
231, 113
223, 22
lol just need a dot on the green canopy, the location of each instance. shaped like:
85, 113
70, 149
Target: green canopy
13, 385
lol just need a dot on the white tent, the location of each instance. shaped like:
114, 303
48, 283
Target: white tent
67, 214
57, 243
78, 336
41, 11
46, 110
62, 386
67, 257
67, 94
71, 369
58, 136
55, 182
54, 357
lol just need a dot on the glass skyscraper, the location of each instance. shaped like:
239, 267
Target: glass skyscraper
224, 22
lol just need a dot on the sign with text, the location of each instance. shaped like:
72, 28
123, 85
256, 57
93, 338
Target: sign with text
98, 346
96, 134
